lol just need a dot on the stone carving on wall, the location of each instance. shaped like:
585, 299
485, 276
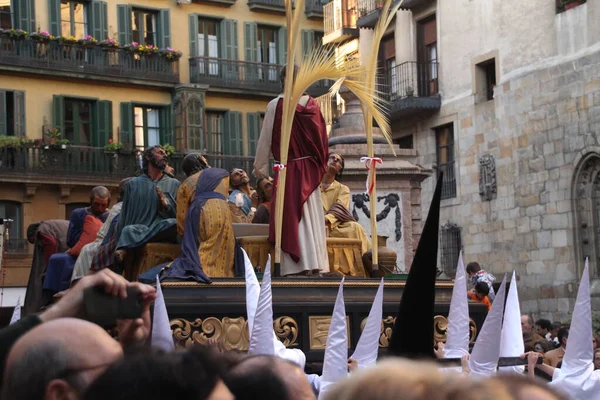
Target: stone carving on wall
318, 330
389, 219
487, 177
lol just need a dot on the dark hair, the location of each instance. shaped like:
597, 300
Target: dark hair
257, 377
563, 333
482, 288
473, 267
544, 324
147, 155
122, 186
193, 163
515, 384
259, 190
546, 345
101, 192
148, 375
283, 73
339, 174
32, 231
556, 325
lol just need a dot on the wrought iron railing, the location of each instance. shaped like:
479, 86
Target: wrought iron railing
95, 60
16, 246
410, 79
314, 7
366, 7
339, 14
449, 179
450, 246
269, 3
235, 74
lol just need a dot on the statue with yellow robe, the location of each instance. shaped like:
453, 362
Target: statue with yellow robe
339, 222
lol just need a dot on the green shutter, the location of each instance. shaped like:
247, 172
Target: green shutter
253, 120
282, 46
19, 113
127, 125
24, 15
250, 41
307, 41
3, 117
164, 28
164, 120
229, 40
193, 23
58, 112
99, 20
54, 11
31, 15
124, 23
232, 138
103, 120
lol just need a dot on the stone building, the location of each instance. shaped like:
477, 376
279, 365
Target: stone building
504, 98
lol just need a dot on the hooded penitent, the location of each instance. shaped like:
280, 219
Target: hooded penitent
335, 362
511, 343
261, 337
162, 336
577, 376
413, 330
368, 345
486, 352
16, 315
457, 336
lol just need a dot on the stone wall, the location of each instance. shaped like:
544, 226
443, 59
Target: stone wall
538, 128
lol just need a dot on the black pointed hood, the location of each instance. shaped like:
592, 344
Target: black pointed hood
412, 335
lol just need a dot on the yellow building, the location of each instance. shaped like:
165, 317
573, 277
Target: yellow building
212, 99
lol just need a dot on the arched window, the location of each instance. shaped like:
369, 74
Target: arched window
586, 204
195, 112
69, 208
450, 247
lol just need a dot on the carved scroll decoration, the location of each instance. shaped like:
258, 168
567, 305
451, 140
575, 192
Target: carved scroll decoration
487, 177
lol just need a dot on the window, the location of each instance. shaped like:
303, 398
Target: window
69, 208
214, 131
78, 121
445, 159
12, 210
485, 80
12, 113
5, 14
194, 124
267, 43
451, 245
74, 18
144, 27
426, 73
147, 126
208, 45
405, 142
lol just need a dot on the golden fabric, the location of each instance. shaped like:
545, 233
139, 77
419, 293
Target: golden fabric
343, 260
217, 241
238, 216
185, 195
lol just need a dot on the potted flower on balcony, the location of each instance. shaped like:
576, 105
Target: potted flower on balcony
87, 42
16, 34
67, 40
109, 44
171, 54
112, 147
41, 37
55, 140
169, 149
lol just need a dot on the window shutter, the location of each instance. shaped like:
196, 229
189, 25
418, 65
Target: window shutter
31, 16
99, 20
164, 28
58, 112
253, 120
307, 41
127, 125
54, 11
164, 119
124, 23
19, 117
193, 24
228, 39
282, 46
103, 123
3, 117
232, 139
250, 41
24, 15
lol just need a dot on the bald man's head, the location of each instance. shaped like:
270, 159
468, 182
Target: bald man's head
99, 199
56, 358
268, 377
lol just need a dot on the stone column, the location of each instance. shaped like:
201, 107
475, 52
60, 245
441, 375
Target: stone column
398, 182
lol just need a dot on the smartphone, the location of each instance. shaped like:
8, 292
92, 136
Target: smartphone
104, 309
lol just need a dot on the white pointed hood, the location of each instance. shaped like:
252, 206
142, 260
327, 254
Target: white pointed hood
511, 342
16, 315
368, 345
484, 358
335, 362
253, 291
261, 338
457, 337
577, 376
162, 336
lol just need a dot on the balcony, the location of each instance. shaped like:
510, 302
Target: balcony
274, 6
232, 76
412, 88
340, 21
314, 9
369, 10
70, 61
222, 3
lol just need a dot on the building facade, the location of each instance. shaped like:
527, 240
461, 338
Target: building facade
100, 95
504, 98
